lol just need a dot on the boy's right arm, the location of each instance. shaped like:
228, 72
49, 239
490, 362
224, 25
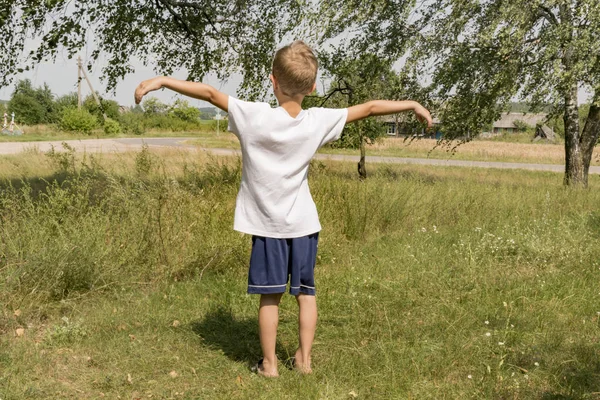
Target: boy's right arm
386, 107
191, 89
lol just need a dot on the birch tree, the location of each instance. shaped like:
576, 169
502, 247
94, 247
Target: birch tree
479, 55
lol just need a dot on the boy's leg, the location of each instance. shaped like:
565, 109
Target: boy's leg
307, 325
268, 320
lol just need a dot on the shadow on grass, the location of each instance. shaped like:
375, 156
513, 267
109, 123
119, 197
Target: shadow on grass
237, 338
580, 378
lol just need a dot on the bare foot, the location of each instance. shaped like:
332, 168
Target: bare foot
266, 370
300, 365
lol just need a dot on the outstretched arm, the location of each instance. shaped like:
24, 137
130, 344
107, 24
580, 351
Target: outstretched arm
191, 89
386, 107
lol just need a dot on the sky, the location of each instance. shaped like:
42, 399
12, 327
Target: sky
61, 76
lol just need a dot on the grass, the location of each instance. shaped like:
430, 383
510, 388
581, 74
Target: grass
40, 133
121, 277
476, 150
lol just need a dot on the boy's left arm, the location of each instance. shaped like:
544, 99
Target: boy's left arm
195, 90
386, 107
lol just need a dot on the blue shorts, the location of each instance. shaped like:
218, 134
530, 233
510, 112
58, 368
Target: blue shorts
273, 261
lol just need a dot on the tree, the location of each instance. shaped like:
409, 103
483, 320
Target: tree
481, 54
66, 101
357, 80
198, 36
27, 109
108, 108
45, 98
32, 105
152, 105
181, 109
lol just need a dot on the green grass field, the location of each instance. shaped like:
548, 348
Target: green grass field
121, 277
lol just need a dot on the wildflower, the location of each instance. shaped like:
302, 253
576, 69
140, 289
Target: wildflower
500, 343
487, 322
488, 334
537, 364
470, 376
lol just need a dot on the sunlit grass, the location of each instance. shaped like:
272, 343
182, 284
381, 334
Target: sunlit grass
120, 275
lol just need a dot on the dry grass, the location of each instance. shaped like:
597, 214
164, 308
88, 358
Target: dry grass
481, 150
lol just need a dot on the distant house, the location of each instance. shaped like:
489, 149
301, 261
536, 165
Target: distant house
396, 125
509, 122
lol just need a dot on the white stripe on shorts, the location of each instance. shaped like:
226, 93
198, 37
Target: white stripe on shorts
268, 286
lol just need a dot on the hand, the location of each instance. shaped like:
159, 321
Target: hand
423, 116
146, 87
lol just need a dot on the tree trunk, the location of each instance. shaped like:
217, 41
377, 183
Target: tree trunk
574, 166
589, 136
362, 170
574, 170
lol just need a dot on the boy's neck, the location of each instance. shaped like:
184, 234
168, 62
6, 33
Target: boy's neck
293, 105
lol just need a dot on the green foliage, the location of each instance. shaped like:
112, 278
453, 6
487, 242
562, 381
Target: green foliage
361, 79
182, 110
521, 126
27, 109
110, 108
370, 130
64, 160
66, 101
66, 333
144, 161
111, 127
80, 121
152, 105
133, 123
221, 36
479, 56
31, 105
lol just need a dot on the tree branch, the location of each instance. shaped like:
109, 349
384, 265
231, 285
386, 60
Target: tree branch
548, 14
170, 4
347, 90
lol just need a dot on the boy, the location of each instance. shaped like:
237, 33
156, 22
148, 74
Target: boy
274, 202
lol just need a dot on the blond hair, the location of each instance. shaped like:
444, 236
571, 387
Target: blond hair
295, 68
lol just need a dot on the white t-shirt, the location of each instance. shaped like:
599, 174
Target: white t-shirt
274, 199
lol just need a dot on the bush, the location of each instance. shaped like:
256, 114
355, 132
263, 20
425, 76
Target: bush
182, 110
111, 127
27, 109
110, 108
75, 120
133, 123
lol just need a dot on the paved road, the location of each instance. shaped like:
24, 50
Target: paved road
133, 144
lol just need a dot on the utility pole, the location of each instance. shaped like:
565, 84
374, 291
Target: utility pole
79, 82
81, 70
218, 117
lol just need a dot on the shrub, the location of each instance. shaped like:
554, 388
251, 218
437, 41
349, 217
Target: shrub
182, 110
74, 120
110, 108
27, 109
111, 127
133, 123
